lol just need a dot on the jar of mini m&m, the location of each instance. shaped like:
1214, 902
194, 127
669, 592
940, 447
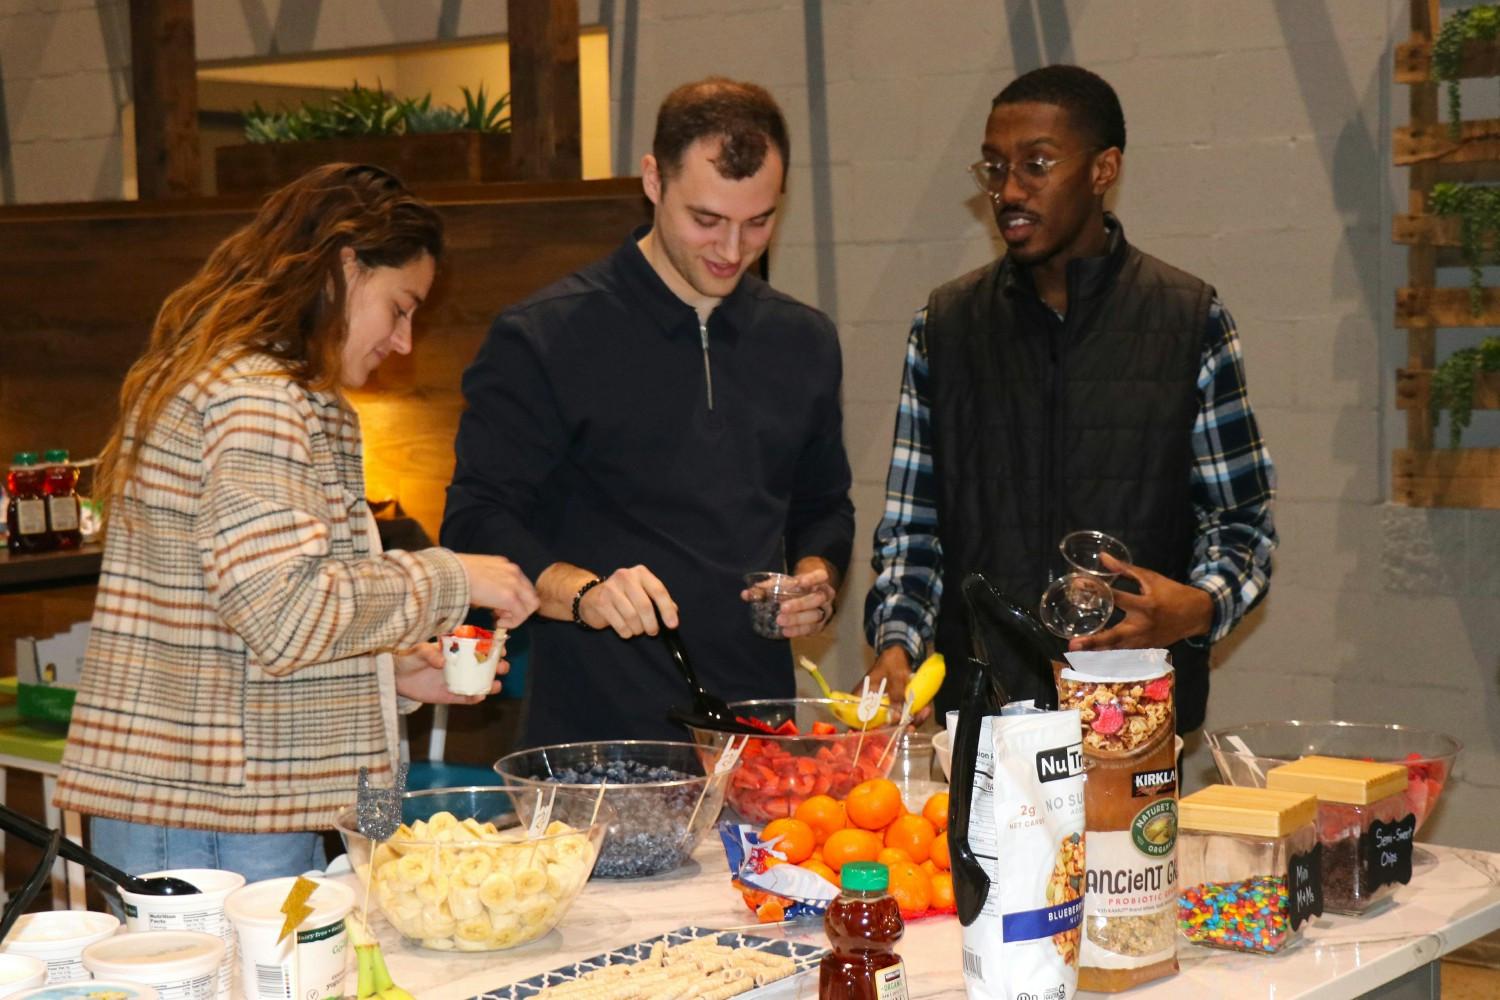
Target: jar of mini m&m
1364, 824
1249, 874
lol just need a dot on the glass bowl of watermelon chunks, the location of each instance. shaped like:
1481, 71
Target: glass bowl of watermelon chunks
1245, 753
805, 751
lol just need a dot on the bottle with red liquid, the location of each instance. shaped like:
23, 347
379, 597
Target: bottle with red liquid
60, 482
863, 925
26, 512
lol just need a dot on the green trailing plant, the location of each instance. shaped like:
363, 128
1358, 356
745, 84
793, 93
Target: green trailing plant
1453, 385
1481, 23
365, 111
1477, 208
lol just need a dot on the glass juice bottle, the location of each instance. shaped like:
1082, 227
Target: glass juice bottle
863, 925
60, 483
26, 511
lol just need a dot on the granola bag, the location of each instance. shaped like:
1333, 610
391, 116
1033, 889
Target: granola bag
1025, 828
1124, 699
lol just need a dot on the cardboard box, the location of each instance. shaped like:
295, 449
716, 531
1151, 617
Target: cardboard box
48, 671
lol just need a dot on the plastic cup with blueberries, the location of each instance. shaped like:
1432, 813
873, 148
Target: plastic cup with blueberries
767, 591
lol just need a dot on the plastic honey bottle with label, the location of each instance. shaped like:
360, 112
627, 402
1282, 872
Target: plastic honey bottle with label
26, 511
863, 925
60, 481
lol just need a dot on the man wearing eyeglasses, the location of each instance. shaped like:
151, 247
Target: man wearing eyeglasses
1075, 383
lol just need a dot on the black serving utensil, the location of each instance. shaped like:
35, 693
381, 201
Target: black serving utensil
35, 833
711, 712
21, 899
1014, 643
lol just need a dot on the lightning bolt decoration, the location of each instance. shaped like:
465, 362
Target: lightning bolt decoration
295, 907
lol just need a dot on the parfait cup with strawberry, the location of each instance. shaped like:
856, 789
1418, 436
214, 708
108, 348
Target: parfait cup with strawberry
470, 655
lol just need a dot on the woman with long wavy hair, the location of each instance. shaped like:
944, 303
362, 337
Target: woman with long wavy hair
249, 638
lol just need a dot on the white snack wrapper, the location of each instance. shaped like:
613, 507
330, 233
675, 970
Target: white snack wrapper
1026, 827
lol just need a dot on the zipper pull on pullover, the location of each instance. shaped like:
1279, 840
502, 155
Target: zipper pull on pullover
708, 372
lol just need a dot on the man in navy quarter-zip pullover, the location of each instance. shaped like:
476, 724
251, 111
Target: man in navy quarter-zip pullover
644, 432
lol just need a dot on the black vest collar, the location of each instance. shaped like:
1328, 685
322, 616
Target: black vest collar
1089, 278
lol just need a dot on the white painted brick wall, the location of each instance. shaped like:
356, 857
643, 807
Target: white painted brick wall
1259, 159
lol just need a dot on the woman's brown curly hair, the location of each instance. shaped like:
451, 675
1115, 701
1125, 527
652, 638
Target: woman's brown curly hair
274, 287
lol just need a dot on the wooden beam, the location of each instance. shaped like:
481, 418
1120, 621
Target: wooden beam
1414, 390
1445, 307
1478, 59
164, 84
1466, 477
544, 91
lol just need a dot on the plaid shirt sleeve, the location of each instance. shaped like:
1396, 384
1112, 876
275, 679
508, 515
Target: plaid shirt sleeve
1233, 484
908, 561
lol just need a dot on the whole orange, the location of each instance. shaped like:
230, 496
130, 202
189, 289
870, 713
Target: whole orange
940, 851
911, 887
823, 813
797, 838
849, 845
872, 804
892, 856
936, 810
913, 834
942, 891
819, 868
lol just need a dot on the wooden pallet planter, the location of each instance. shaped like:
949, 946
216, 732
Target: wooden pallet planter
1424, 475
423, 158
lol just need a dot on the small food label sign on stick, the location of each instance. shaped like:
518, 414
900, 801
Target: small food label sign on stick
869, 704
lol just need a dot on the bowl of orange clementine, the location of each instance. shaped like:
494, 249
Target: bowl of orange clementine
871, 823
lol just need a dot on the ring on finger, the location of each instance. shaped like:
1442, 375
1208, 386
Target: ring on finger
822, 613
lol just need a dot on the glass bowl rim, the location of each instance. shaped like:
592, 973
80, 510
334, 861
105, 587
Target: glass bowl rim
1215, 738
705, 778
799, 700
602, 821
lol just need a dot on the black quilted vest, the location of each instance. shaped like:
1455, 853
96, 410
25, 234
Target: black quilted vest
1042, 426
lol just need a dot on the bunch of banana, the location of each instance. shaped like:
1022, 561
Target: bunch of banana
374, 978
920, 691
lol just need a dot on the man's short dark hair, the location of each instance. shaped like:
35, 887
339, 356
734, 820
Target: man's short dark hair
1091, 103
744, 116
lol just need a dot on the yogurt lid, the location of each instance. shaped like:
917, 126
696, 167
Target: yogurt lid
58, 927
262, 901
91, 989
15, 968
153, 950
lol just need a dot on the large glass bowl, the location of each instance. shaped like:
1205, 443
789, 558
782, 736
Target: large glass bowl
777, 773
1245, 753
463, 873
657, 824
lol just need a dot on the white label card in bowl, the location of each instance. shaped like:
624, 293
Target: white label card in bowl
729, 755
543, 813
869, 701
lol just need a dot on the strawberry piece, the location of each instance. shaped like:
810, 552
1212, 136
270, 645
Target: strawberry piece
1159, 689
472, 632
754, 723
1110, 719
824, 729
787, 728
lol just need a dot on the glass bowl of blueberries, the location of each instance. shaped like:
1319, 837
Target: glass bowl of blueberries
662, 797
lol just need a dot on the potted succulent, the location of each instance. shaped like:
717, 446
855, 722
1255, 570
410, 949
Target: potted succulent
411, 138
1453, 384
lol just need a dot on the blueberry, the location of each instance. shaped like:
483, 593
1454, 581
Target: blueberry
647, 836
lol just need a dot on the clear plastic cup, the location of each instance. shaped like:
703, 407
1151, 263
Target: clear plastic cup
768, 591
464, 671
1085, 552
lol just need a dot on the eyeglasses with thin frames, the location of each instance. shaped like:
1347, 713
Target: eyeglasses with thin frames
1031, 173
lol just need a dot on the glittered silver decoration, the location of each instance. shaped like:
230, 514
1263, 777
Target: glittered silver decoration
378, 810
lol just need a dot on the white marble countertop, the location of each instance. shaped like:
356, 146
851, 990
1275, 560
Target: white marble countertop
1454, 897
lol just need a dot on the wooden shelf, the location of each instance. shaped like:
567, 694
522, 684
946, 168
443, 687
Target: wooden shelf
1424, 308
1414, 390
1414, 61
49, 567
1479, 140
1463, 477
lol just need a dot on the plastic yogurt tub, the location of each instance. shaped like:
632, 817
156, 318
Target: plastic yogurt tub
179, 965
114, 989
58, 938
203, 912
21, 972
272, 970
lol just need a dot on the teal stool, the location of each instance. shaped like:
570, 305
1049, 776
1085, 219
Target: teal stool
434, 772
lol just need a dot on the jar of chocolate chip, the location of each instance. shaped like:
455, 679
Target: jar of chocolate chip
1364, 825
1248, 876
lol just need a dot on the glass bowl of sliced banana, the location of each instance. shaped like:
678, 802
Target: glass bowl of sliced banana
480, 869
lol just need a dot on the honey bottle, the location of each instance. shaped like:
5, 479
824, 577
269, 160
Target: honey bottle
60, 481
26, 511
863, 925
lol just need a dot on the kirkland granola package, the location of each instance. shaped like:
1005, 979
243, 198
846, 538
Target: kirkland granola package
1124, 700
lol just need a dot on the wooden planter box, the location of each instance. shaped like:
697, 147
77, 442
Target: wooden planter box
425, 158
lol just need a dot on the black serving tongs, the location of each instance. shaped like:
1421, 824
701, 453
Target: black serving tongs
708, 711
1013, 654
35, 833
21, 899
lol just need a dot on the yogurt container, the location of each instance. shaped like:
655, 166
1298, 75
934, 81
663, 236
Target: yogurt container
179, 965
308, 963
111, 989
58, 938
203, 912
21, 972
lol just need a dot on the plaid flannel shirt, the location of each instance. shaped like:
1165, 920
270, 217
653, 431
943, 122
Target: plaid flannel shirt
1232, 482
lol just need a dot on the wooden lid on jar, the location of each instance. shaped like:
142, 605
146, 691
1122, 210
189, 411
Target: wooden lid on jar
1338, 779
1257, 812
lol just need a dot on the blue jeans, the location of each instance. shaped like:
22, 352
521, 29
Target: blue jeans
140, 847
